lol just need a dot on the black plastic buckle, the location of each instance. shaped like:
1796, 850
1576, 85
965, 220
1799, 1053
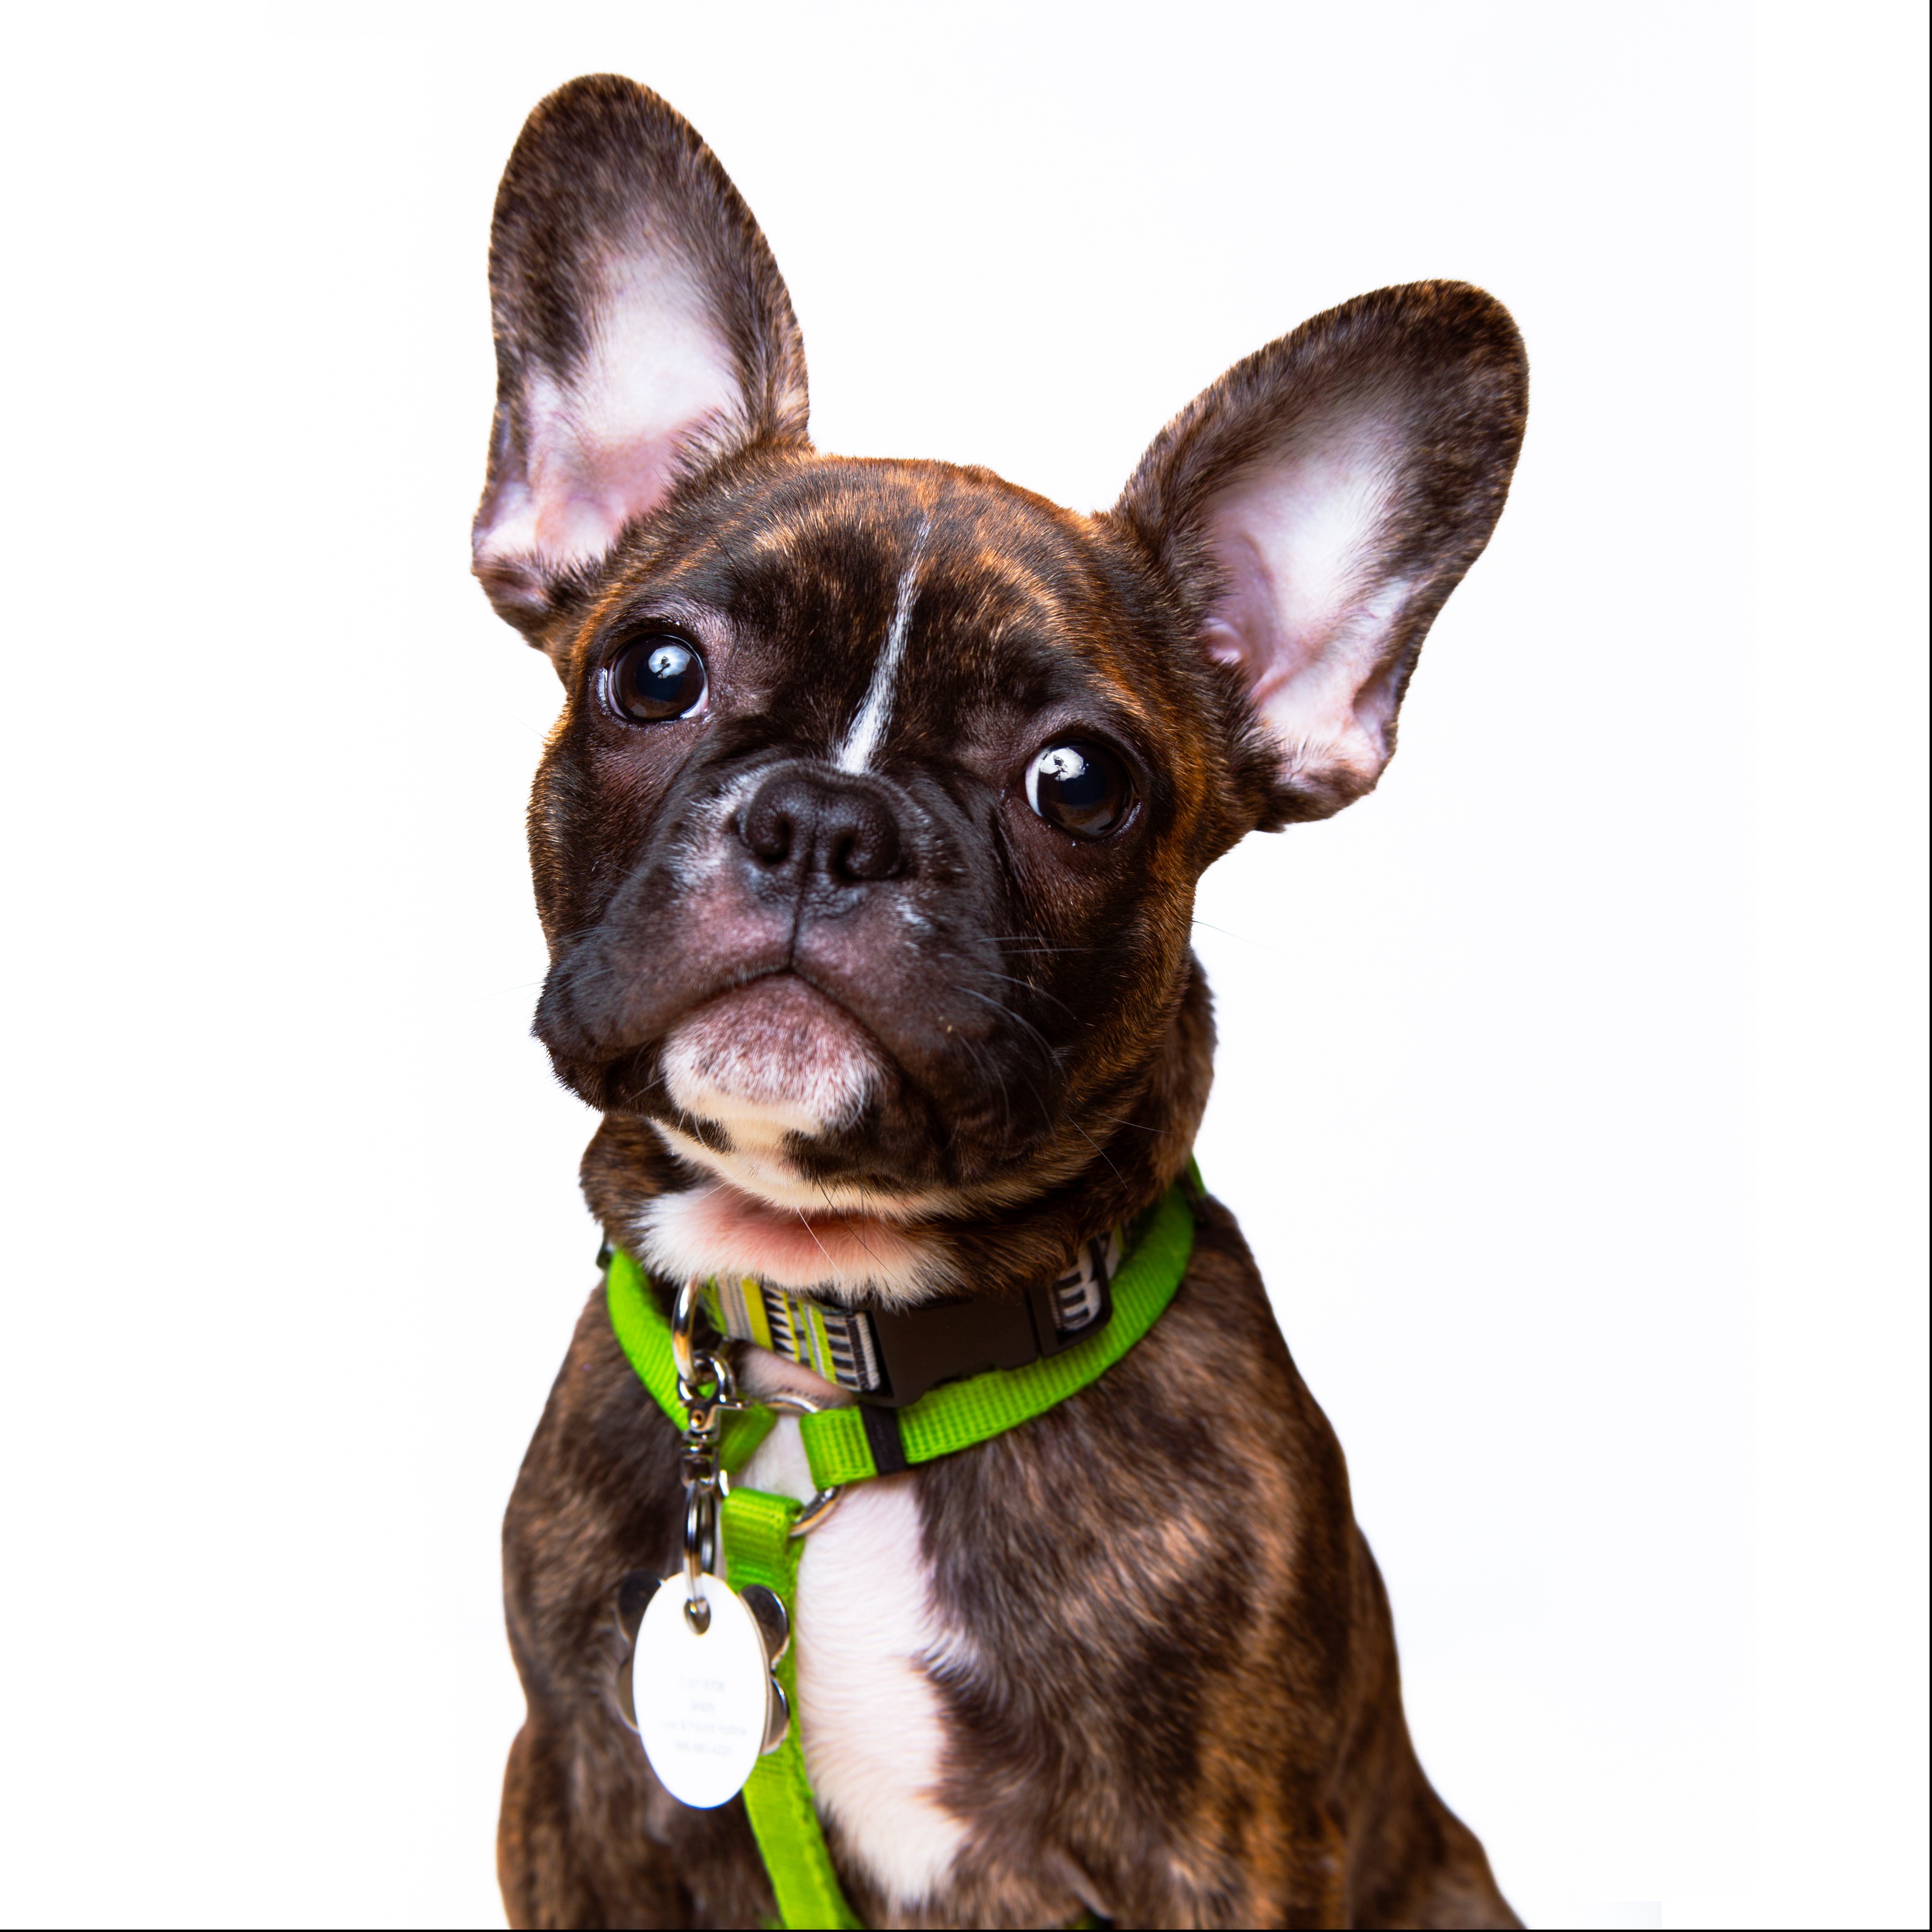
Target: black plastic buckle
945, 1341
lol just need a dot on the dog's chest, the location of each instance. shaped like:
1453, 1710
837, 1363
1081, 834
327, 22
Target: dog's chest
871, 1721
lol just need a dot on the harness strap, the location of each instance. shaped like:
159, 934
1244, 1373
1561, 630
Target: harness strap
844, 1445
760, 1548
849, 1445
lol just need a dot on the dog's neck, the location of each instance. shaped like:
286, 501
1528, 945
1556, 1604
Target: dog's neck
769, 1377
680, 1219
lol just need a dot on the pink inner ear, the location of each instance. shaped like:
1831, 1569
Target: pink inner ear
602, 446
583, 492
1306, 612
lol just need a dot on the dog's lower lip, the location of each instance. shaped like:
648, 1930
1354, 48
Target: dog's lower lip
782, 976
816, 1220
717, 1229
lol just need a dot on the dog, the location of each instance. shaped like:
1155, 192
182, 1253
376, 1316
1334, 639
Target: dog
866, 849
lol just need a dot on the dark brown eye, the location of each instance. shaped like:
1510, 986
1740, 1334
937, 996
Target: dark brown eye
654, 679
1082, 788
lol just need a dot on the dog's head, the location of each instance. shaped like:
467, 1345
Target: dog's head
867, 841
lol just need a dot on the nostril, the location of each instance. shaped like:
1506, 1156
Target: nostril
768, 829
865, 849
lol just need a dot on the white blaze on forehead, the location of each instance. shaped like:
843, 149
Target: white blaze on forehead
869, 726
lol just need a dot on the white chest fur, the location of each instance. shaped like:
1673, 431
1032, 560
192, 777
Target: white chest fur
872, 1725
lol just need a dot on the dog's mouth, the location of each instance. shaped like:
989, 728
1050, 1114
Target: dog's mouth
717, 1229
754, 1073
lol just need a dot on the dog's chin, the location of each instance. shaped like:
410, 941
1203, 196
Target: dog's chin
770, 1059
765, 1067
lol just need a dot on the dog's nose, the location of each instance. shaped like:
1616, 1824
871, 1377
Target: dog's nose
801, 827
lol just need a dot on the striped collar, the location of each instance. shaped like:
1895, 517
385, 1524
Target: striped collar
869, 1438
892, 1356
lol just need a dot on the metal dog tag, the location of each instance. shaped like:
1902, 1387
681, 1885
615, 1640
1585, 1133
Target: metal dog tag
704, 1704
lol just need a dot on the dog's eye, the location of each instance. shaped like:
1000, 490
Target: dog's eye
1082, 788
655, 678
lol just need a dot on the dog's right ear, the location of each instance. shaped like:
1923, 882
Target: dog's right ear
643, 331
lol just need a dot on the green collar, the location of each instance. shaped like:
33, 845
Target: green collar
761, 1531
846, 1445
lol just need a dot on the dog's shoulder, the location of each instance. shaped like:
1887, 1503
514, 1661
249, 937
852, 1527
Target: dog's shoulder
598, 1497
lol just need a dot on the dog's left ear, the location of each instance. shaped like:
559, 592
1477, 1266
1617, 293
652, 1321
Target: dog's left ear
643, 331
1316, 505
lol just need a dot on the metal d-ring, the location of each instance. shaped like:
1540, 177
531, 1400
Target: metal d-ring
701, 1554
811, 1514
823, 1502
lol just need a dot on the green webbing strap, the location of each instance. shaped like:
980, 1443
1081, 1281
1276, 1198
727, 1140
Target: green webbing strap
759, 1548
644, 1336
958, 1414
951, 1417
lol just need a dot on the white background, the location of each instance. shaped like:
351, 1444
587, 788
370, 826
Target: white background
1569, 1088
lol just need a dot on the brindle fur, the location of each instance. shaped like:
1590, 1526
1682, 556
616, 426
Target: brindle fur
1182, 1704
1189, 1712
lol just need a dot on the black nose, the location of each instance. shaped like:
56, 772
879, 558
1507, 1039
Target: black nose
801, 827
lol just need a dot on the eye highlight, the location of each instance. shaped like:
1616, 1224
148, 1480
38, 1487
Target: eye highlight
1082, 788
655, 678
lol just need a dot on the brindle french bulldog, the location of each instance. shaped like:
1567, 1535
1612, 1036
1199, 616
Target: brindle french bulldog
865, 848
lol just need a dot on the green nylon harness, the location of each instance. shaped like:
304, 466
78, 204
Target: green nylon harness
759, 1547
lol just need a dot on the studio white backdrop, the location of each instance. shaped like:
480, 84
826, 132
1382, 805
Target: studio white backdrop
1570, 1086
